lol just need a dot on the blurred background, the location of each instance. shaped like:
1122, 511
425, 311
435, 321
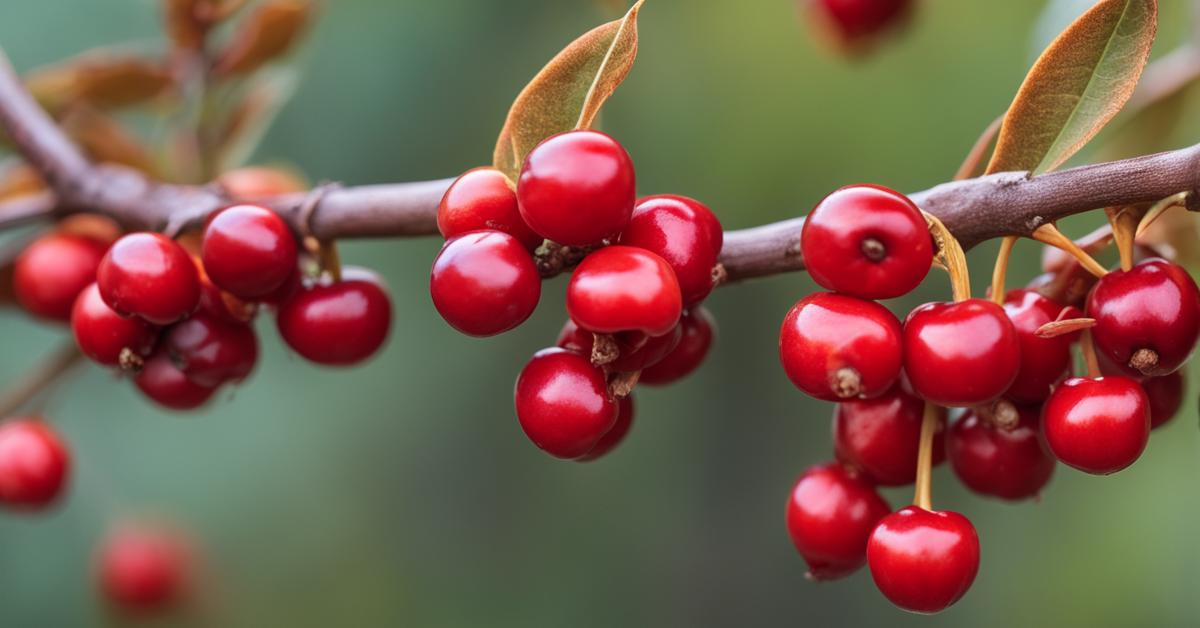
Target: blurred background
404, 493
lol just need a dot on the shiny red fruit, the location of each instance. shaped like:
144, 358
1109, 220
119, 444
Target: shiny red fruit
1166, 396
248, 250
34, 464
699, 330
867, 241
1044, 361
830, 515
218, 303
923, 561
1099, 425
161, 381
623, 288
835, 347
150, 276
577, 188
337, 323
144, 569
680, 230
51, 272
1010, 464
880, 437
484, 283
856, 20
563, 404
1153, 307
616, 433
636, 351
482, 199
960, 354
212, 352
102, 334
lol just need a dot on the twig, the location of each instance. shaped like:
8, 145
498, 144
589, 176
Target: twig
39, 378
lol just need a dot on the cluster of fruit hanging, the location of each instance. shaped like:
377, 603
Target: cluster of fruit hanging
1006, 363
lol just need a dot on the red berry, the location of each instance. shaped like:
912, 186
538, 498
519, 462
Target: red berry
623, 288
577, 188
616, 433
144, 569
960, 354
337, 323
830, 515
1010, 464
838, 347
1166, 396
33, 464
867, 241
681, 231
483, 199
248, 251
563, 404
1044, 361
51, 272
102, 334
699, 330
880, 437
1099, 425
1147, 318
211, 351
221, 304
636, 351
923, 561
856, 20
149, 275
484, 283
165, 384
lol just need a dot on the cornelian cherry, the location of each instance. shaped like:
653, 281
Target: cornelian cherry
103, 335
1044, 361
248, 250
563, 404
699, 330
223, 305
834, 347
484, 283
33, 464
211, 351
685, 233
635, 350
880, 437
483, 199
337, 323
1098, 425
867, 241
1010, 463
960, 354
1166, 396
144, 569
624, 288
150, 276
615, 434
830, 515
161, 381
51, 272
923, 561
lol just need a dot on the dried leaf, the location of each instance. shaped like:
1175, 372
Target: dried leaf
106, 80
263, 36
1065, 326
568, 93
248, 121
18, 179
255, 182
187, 22
105, 139
976, 162
1078, 84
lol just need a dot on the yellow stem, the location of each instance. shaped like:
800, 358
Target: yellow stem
923, 496
1049, 234
1001, 269
330, 261
1089, 354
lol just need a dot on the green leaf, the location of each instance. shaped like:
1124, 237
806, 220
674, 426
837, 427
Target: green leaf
1078, 84
568, 93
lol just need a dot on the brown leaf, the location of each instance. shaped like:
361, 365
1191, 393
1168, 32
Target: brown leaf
106, 80
263, 36
1057, 328
976, 162
247, 122
105, 139
187, 22
18, 179
568, 93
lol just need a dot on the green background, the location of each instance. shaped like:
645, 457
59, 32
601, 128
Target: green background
403, 492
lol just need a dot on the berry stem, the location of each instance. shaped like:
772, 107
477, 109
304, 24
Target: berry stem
951, 257
1049, 234
329, 260
1175, 200
1124, 221
1000, 271
41, 377
923, 497
1089, 354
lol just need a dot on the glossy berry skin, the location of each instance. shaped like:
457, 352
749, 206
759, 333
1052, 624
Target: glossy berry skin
1166, 397
221, 304
880, 437
340, 323
636, 351
685, 233
248, 251
1011, 464
1044, 361
1098, 426
150, 276
144, 570
867, 241
623, 288
161, 381
102, 334
960, 354
830, 515
835, 347
563, 404
615, 434
34, 464
1155, 305
699, 330
577, 188
923, 561
856, 20
212, 352
484, 283
482, 199
51, 272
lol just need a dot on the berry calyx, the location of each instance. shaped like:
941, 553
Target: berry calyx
1097, 425
923, 561
1166, 396
1044, 361
634, 350
830, 516
685, 233
162, 381
150, 276
880, 437
104, 336
563, 404
51, 272
212, 352
337, 323
1010, 464
144, 569
483, 199
835, 347
248, 251
484, 283
867, 241
624, 288
699, 330
960, 354
615, 434
33, 464
577, 188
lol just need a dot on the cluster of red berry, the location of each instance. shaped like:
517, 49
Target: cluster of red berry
642, 267
1007, 364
